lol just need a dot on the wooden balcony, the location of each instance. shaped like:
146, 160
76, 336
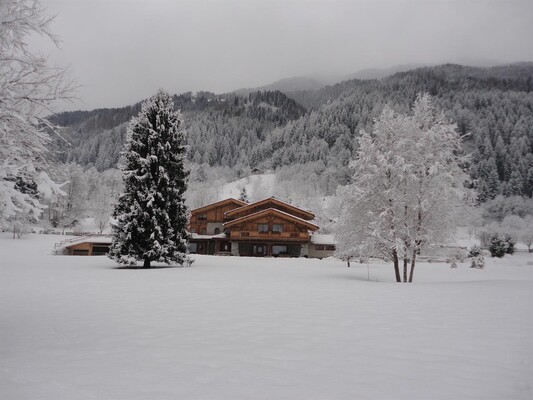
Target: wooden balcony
270, 236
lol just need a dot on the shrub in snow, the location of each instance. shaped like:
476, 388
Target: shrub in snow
476, 256
497, 246
151, 216
509, 243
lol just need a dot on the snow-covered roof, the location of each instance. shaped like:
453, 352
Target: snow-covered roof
205, 237
99, 239
317, 238
274, 200
218, 203
85, 239
272, 210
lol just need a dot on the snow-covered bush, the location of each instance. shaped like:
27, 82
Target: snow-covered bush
509, 243
497, 246
476, 258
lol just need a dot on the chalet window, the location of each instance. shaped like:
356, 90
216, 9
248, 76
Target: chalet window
217, 231
277, 250
202, 217
262, 227
193, 248
330, 247
319, 247
100, 250
193, 230
77, 252
277, 228
203, 231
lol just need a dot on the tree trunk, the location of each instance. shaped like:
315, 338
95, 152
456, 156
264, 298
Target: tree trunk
146, 263
396, 265
413, 261
405, 263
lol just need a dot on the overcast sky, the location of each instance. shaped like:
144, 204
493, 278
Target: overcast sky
122, 51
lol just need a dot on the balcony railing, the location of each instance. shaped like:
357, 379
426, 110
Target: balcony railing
269, 235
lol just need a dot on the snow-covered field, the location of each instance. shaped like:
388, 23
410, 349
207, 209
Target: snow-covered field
239, 328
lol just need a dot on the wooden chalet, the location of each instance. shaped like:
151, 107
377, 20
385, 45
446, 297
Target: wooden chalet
269, 227
206, 226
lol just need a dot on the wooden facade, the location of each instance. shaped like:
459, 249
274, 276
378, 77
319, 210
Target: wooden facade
88, 248
266, 228
205, 220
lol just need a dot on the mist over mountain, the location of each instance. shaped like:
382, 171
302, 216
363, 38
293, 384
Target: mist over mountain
318, 81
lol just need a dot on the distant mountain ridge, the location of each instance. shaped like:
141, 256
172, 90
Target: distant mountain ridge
316, 82
218, 123
318, 128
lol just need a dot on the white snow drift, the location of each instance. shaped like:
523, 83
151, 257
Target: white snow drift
241, 328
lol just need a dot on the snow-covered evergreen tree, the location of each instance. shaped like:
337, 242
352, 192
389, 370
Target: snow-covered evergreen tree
243, 196
407, 187
151, 215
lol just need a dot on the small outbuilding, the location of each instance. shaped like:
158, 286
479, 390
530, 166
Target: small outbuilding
86, 246
321, 246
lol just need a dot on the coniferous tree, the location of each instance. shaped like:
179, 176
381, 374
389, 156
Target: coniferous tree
244, 195
151, 215
515, 184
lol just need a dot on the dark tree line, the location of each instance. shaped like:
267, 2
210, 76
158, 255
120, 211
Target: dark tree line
493, 108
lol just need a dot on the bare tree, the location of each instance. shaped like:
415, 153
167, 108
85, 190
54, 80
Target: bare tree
28, 89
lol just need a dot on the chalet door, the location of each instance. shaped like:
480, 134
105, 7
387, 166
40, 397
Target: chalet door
258, 250
211, 248
224, 247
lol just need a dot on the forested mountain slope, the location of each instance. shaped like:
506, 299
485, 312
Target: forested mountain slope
493, 108
218, 127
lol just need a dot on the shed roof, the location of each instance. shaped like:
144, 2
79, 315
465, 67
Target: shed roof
317, 238
88, 239
207, 237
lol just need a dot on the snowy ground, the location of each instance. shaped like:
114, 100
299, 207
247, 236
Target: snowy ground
239, 328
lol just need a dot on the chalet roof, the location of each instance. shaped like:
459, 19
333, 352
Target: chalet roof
219, 203
273, 211
309, 214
